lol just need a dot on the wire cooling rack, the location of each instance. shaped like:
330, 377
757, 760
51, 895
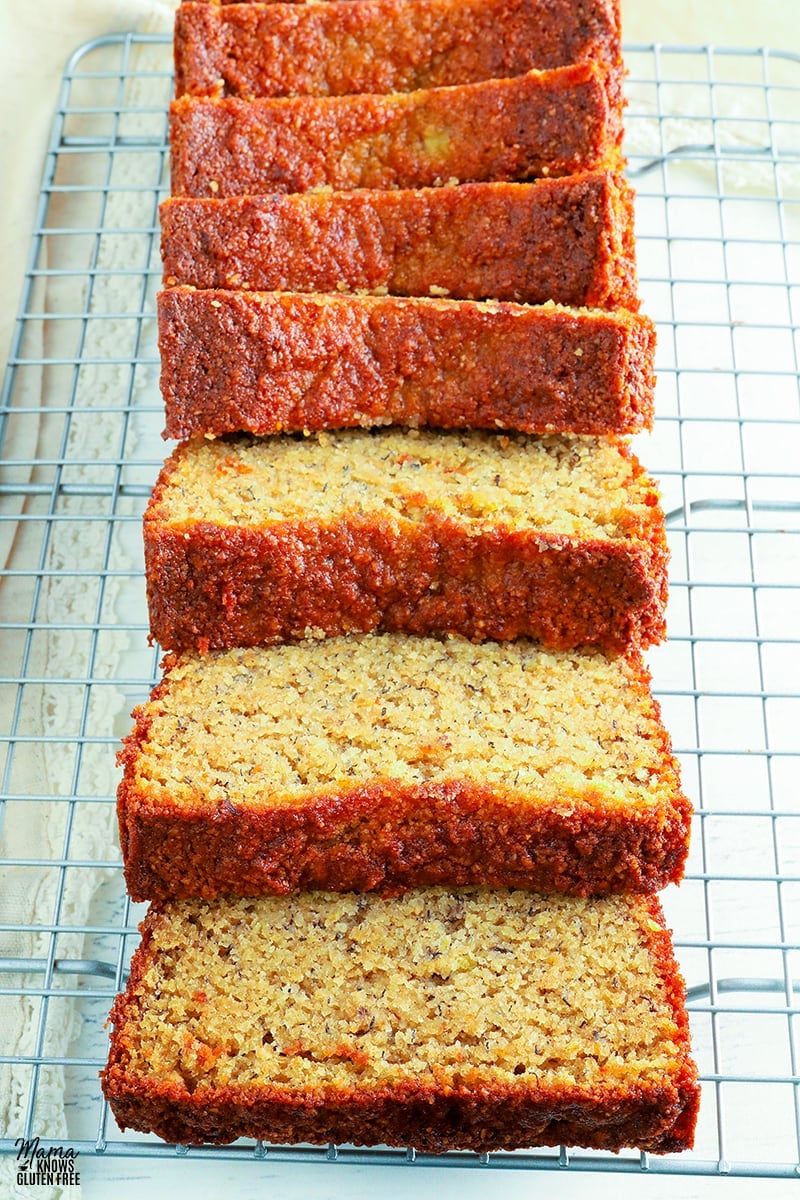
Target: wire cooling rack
714, 150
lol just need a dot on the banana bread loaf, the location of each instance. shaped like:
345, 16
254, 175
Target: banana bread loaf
543, 123
487, 535
273, 362
335, 49
475, 1020
387, 762
569, 240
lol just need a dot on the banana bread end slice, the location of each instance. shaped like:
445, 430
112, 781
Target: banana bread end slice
278, 362
568, 240
251, 50
543, 123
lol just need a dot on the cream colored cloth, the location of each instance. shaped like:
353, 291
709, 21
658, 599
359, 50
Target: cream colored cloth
42, 37
36, 39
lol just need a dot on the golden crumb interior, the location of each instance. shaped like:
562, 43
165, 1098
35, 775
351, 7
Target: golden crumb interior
275, 725
563, 485
324, 991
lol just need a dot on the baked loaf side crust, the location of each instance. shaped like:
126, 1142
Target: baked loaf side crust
476, 1113
213, 586
273, 363
388, 838
543, 123
567, 240
250, 50
430, 1119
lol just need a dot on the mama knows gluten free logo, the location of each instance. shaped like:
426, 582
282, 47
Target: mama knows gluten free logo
57, 1166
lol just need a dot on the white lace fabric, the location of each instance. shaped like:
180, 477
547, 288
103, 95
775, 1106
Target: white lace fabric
56, 763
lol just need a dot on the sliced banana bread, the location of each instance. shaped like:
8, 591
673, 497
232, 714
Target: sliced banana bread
335, 49
543, 123
488, 535
569, 240
272, 362
388, 761
476, 1020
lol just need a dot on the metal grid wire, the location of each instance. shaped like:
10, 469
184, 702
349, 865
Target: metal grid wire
714, 149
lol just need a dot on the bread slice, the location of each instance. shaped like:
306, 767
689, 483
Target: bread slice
487, 535
387, 761
272, 362
474, 1020
569, 240
335, 49
543, 123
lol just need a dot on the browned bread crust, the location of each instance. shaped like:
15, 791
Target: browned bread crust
212, 586
390, 834
543, 123
252, 50
569, 240
430, 1119
433, 1115
388, 838
207, 586
268, 363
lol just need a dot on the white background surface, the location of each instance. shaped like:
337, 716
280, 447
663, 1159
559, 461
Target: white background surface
36, 36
